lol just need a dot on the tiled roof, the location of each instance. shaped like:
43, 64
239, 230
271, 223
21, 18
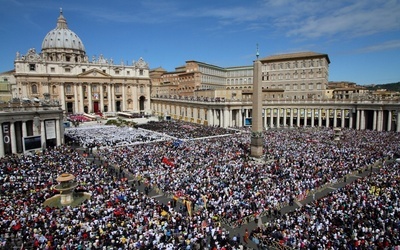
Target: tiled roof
293, 56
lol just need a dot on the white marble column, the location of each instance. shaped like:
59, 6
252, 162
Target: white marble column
13, 139
58, 130
76, 98
312, 117
327, 117
320, 117
90, 103
375, 120
343, 118
271, 120
389, 121
351, 118
298, 117
335, 118
2, 140
291, 117
398, 121
24, 134
358, 120
305, 117
101, 97
380, 120
62, 96
226, 117
81, 104
123, 86
284, 117
362, 122
278, 117
43, 134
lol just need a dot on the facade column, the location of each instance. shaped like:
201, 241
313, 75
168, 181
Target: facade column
58, 130
112, 98
13, 139
265, 111
62, 96
1, 140
123, 97
312, 117
358, 119
81, 105
109, 106
101, 97
291, 117
343, 118
239, 118
24, 134
90, 104
389, 121
319, 117
335, 118
76, 98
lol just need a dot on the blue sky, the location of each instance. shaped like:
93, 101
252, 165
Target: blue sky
361, 37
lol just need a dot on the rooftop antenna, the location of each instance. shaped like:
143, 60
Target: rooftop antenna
257, 54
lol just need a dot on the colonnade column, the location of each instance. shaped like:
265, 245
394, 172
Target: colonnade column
284, 117
312, 117
389, 121
298, 117
305, 117
13, 139
278, 117
351, 118
374, 121
319, 117
2, 140
327, 118
210, 119
380, 120
398, 122
362, 120
271, 120
291, 117
112, 98
335, 118
343, 118
24, 134
358, 120
239, 118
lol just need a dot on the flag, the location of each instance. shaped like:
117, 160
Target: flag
167, 161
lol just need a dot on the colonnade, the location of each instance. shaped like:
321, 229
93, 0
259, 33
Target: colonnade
359, 117
101, 97
14, 130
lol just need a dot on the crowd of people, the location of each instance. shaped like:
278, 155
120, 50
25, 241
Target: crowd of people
109, 136
215, 174
363, 215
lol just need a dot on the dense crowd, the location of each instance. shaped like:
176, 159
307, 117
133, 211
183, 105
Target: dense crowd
214, 173
109, 136
185, 130
362, 215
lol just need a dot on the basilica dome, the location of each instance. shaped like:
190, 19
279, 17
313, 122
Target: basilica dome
62, 38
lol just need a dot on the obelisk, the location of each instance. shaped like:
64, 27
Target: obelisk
257, 138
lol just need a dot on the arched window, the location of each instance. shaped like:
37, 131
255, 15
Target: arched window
34, 89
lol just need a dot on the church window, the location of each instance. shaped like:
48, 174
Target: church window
32, 67
34, 89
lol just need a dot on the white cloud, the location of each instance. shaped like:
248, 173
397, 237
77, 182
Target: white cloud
388, 45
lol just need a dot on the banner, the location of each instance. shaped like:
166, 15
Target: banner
6, 138
50, 126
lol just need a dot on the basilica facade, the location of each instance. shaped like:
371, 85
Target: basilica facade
63, 71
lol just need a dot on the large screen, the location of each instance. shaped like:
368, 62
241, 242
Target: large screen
248, 121
32, 142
